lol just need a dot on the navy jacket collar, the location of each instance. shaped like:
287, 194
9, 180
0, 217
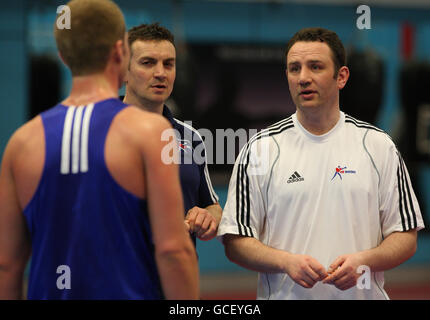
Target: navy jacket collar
166, 113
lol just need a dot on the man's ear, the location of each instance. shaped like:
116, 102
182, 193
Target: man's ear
118, 52
342, 77
126, 76
61, 58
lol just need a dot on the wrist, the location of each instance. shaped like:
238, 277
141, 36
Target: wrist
362, 258
286, 262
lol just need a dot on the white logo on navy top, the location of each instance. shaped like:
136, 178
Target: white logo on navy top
184, 145
74, 146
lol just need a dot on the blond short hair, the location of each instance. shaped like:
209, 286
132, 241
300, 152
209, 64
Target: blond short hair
96, 25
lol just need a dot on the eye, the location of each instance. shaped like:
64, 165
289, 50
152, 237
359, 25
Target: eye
169, 64
316, 67
293, 68
146, 62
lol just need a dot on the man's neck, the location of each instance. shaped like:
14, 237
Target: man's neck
143, 104
91, 88
318, 121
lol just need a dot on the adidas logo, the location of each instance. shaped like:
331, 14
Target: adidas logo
295, 177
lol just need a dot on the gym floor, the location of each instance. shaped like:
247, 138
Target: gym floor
402, 283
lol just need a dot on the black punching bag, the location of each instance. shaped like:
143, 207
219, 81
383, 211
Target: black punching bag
414, 143
362, 96
415, 100
45, 84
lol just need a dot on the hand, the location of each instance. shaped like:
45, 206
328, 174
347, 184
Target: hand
343, 271
305, 270
202, 223
187, 226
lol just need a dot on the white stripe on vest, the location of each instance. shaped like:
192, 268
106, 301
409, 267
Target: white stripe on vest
76, 138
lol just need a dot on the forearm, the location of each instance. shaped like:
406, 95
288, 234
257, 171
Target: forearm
393, 251
250, 253
11, 285
179, 274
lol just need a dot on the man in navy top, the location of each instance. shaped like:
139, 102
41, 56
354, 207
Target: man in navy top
150, 79
81, 191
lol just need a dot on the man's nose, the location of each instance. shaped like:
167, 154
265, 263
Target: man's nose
159, 71
305, 77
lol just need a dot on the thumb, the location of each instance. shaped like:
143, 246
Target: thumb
336, 264
187, 225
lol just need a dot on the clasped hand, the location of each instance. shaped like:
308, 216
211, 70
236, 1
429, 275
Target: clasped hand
342, 273
200, 222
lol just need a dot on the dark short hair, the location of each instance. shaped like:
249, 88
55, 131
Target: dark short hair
322, 35
148, 32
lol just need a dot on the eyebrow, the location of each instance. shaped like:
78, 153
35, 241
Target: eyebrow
309, 61
154, 59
